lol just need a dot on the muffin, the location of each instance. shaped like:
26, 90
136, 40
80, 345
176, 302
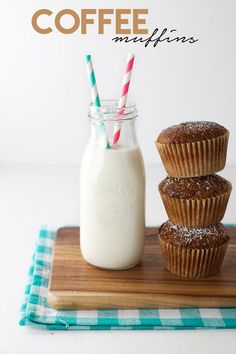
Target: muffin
193, 148
195, 201
193, 252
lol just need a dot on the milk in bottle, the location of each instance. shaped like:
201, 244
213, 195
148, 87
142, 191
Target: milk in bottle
112, 192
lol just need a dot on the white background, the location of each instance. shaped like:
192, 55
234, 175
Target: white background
44, 98
44, 93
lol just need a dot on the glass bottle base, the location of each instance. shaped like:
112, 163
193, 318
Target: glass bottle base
118, 268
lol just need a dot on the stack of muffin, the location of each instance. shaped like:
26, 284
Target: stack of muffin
193, 241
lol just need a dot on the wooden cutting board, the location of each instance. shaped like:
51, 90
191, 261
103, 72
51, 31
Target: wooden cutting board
77, 285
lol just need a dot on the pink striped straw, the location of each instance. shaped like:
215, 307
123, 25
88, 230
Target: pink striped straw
123, 98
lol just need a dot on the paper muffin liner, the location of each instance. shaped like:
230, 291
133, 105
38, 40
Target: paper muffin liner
193, 263
198, 158
196, 212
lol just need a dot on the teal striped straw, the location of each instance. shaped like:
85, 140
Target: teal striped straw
95, 98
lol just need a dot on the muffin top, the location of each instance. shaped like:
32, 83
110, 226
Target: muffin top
194, 187
193, 237
191, 131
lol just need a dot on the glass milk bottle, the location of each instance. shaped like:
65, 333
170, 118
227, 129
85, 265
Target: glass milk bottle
112, 191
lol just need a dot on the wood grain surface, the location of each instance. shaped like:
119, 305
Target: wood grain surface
77, 285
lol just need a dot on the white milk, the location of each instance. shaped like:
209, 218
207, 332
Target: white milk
112, 206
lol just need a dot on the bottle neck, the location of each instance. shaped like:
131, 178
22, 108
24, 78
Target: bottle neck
102, 132
112, 127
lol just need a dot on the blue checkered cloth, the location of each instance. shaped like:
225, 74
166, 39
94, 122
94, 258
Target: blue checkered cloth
36, 312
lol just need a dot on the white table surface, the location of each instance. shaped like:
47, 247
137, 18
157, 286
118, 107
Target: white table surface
32, 196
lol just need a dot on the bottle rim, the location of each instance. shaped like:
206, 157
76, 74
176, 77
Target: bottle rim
109, 111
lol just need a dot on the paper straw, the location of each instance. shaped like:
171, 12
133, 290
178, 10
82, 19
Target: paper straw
95, 98
123, 98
